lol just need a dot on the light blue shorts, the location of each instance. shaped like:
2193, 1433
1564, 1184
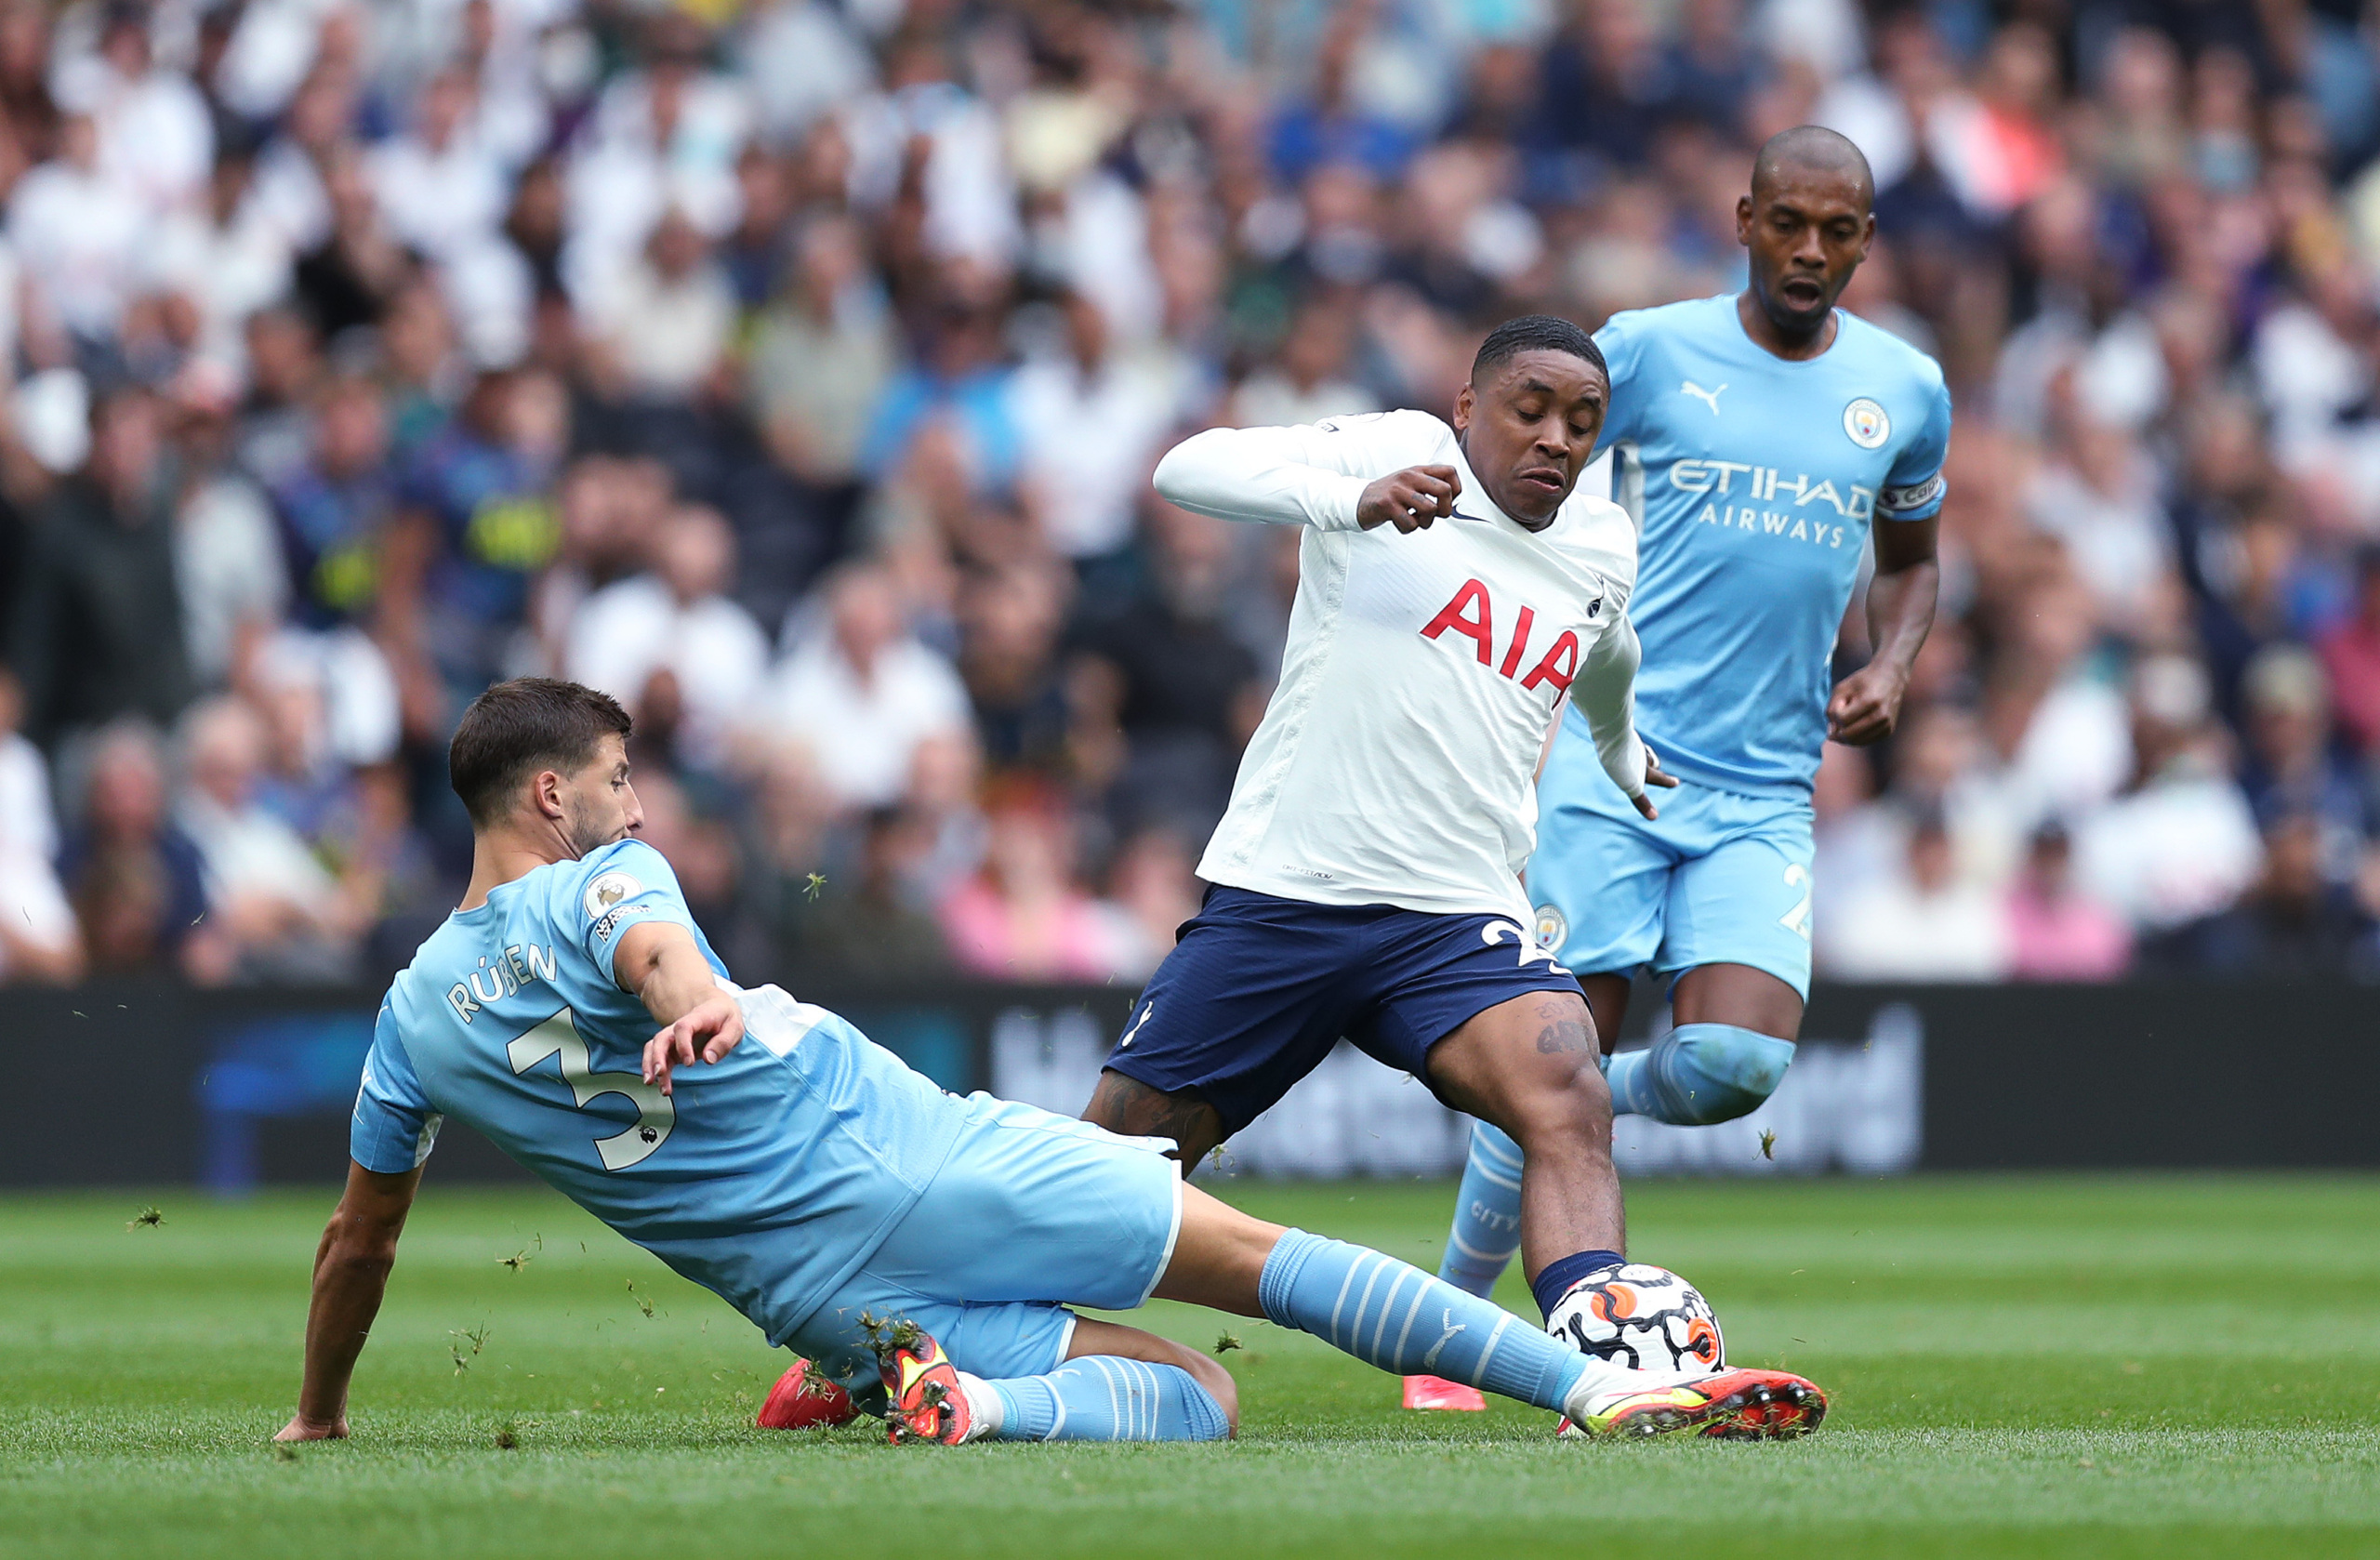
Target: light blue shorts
1719, 878
1032, 1213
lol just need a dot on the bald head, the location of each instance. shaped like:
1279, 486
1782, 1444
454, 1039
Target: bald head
1808, 224
1809, 149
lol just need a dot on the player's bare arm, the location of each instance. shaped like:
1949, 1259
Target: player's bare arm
659, 962
1866, 706
351, 1267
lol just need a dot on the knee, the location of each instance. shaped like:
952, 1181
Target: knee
1134, 1109
1572, 1110
1718, 1072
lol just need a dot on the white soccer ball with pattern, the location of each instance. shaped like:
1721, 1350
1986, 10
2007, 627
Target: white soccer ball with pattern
1642, 1317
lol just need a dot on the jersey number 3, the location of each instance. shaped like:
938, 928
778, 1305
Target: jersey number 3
656, 1112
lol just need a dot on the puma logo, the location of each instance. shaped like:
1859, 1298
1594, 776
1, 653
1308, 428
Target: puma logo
1709, 397
1430, 1360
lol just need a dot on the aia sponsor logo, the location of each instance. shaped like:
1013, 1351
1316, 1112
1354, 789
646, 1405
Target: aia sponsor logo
1472, 613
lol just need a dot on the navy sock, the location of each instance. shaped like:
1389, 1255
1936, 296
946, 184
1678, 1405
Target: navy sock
1550, 1285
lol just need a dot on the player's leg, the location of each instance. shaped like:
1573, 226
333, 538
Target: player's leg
1487, 1231
961, 1310
953, 1371
1600, 880
1393, 1315
1529, 1065
1119, 1383
1252, 998
1739, 925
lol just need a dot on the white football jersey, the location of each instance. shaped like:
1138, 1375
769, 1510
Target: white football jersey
1396, 762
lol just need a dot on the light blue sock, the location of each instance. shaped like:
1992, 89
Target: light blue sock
1698, 1074
1486, 1214
1392, 1315
1104, 1397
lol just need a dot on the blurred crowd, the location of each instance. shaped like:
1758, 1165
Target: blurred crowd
794, 369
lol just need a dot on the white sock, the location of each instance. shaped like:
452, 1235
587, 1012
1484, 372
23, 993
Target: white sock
983, 1403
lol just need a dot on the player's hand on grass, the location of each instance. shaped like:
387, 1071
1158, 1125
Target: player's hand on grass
707, 1033
301, 1428
1866, 706
1410, 499
1654, 775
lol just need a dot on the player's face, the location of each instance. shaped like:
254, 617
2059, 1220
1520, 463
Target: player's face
1808, 232
1528, 431
599, 805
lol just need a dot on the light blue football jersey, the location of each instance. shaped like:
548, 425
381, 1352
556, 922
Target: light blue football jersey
1758, 480
768, 1178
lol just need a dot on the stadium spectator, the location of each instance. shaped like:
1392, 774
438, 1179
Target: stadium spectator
860, 691
1009, 624
337, 508
873, 928
1154, 880
2293, 923
2351, 655
2290, 765
2180, 844
479, 525
1923, 924
136, 880
821, 356
1022, 918
664, 322
98, 623
2055, 931
439, 184
285, 916
227, 549
39, 939
1162, 669
675, 618
475, 301
1090, 416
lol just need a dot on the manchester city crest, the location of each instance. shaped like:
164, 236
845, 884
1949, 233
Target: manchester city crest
1866, 423
1553, 928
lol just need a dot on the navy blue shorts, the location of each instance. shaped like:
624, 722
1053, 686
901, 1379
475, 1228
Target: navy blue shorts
1259, 989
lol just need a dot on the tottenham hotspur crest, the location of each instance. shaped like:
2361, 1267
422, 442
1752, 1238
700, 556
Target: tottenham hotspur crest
1866, 423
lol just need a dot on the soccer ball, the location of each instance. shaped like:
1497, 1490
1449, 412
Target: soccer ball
1642, 1317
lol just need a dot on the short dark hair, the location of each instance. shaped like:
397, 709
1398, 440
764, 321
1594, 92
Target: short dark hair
1534, 333
520, 726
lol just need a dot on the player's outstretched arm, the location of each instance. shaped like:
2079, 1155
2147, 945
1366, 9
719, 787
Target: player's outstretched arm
1866, 706
1336, 476
659, 962
1607, 693
351, 1275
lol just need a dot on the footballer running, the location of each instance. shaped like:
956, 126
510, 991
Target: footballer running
1777, 439
922, 1249
1455, 593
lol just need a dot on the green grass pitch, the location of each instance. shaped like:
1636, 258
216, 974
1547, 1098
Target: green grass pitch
2021, 1367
